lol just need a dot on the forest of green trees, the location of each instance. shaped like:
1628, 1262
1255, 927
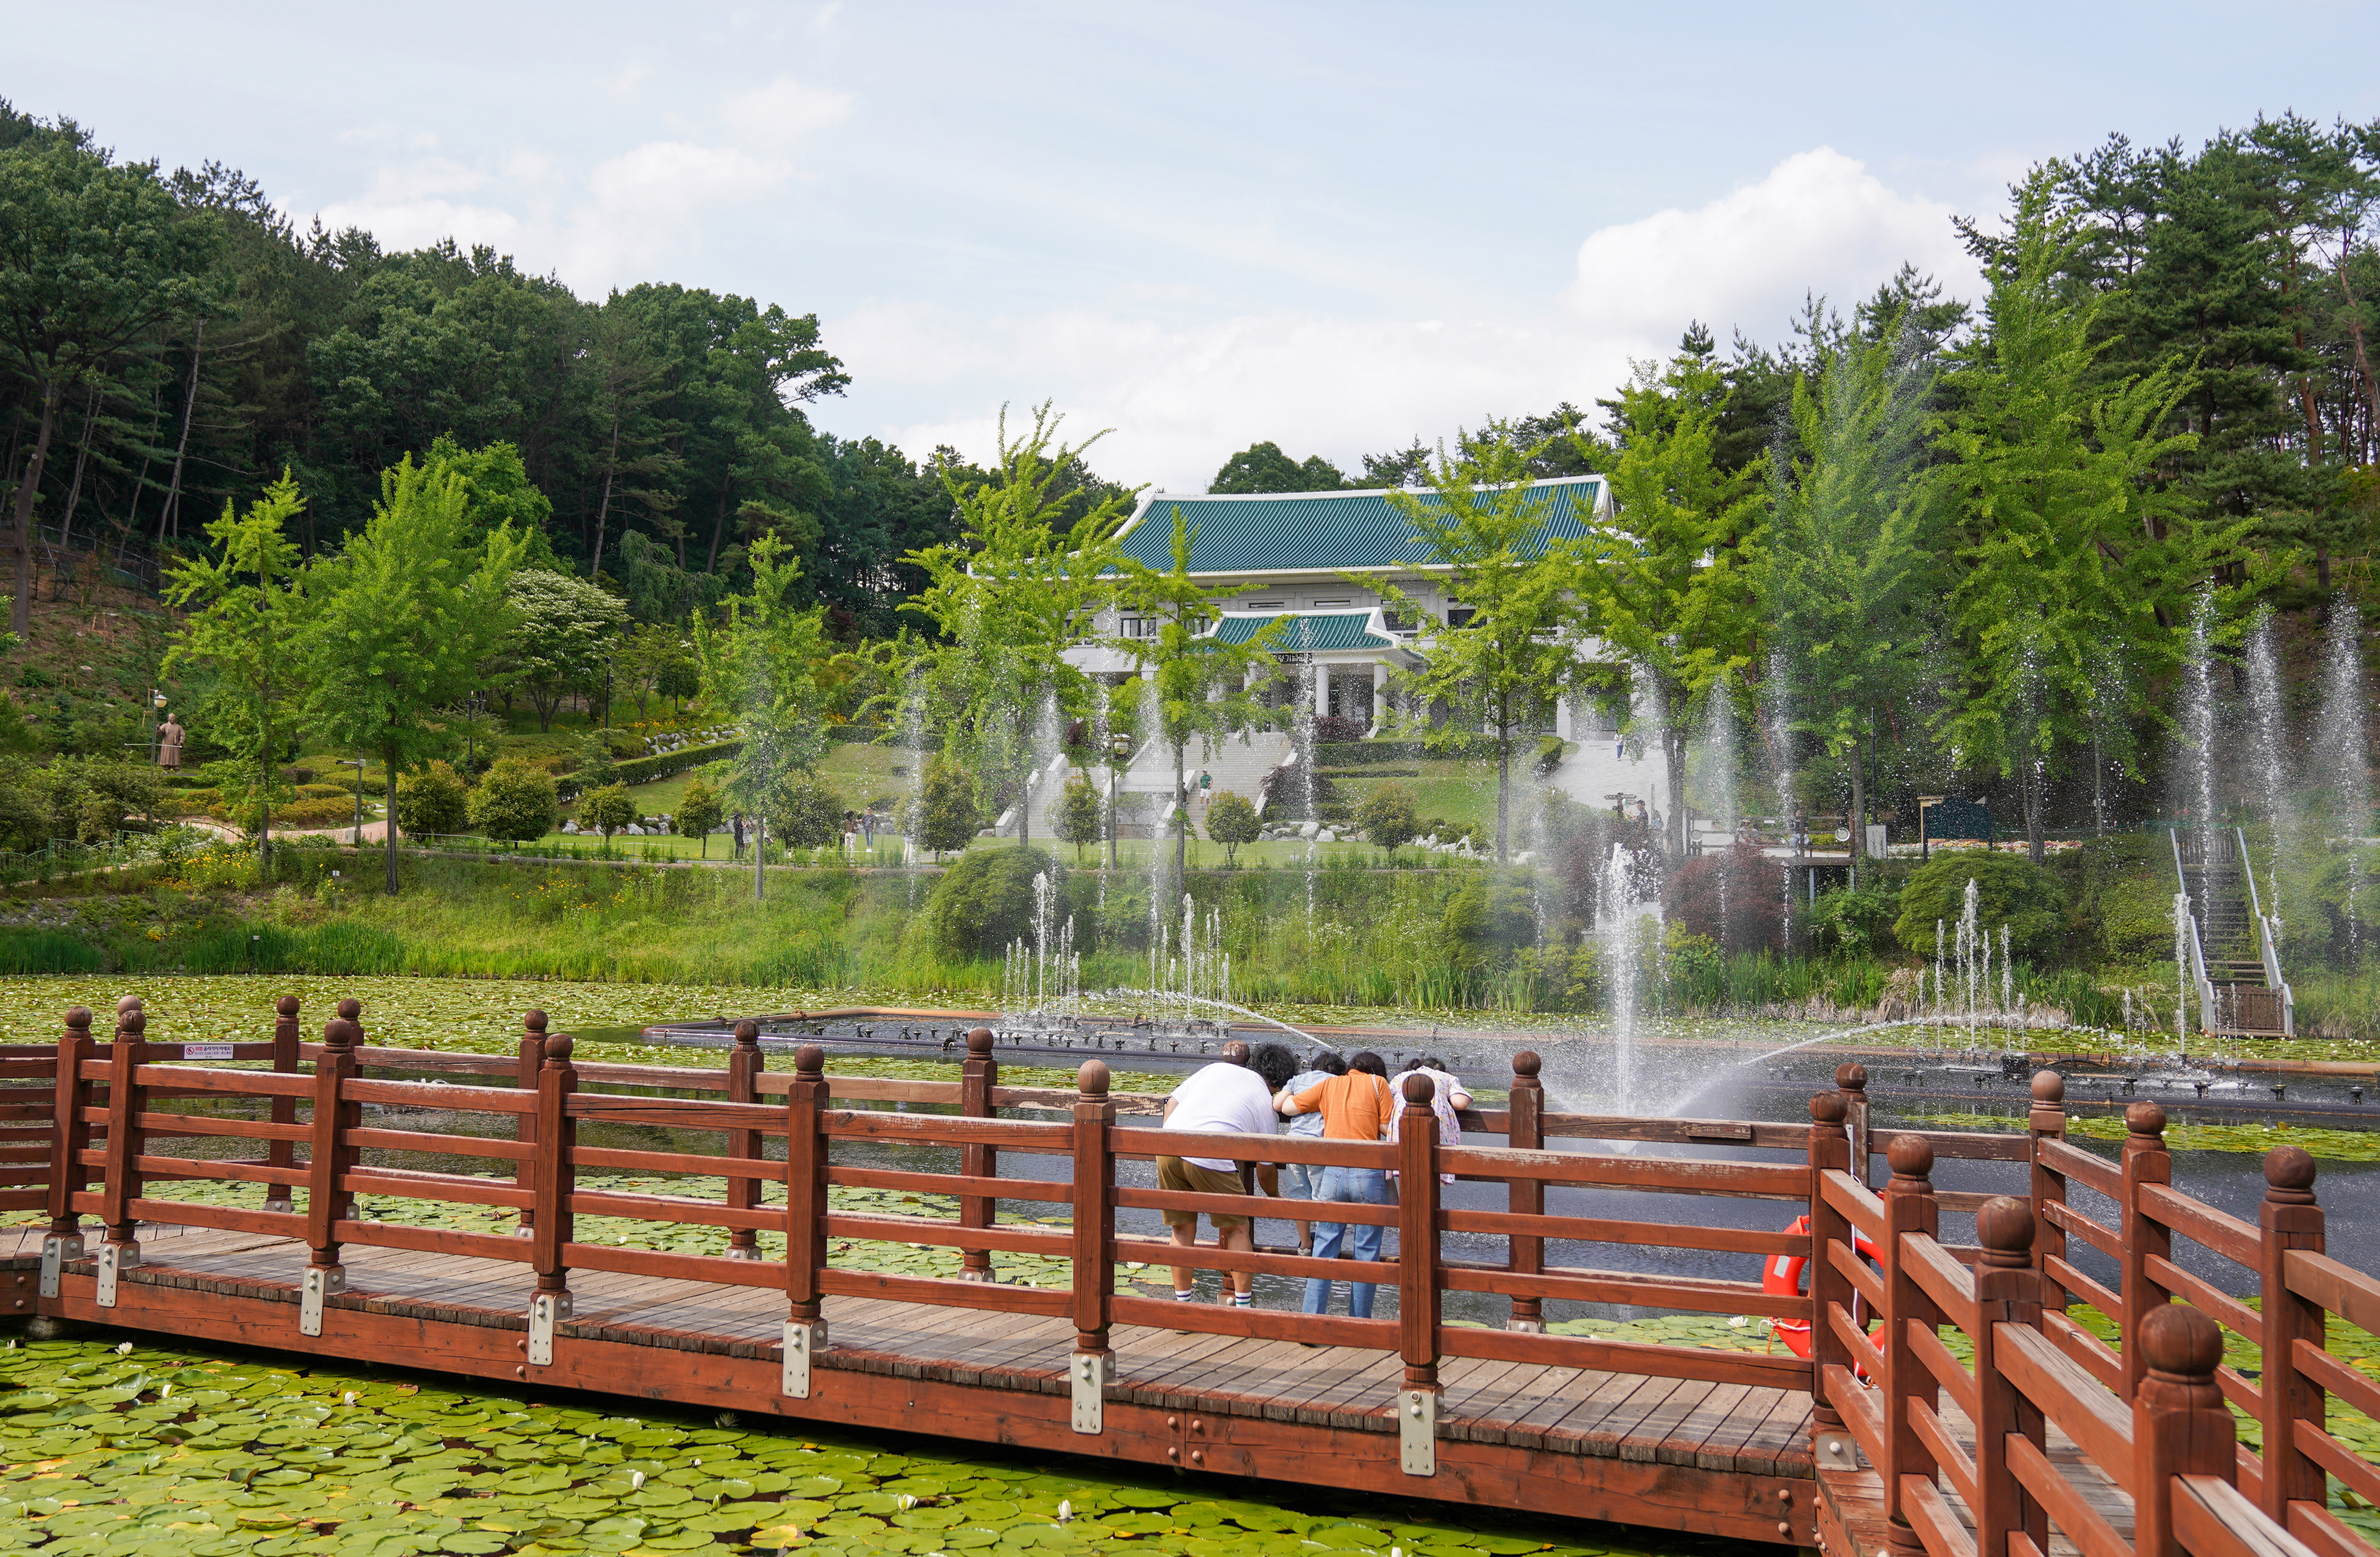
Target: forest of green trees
2167, 393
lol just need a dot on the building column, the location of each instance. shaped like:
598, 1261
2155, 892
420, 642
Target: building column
1380, 692
1561, 719
1321, 689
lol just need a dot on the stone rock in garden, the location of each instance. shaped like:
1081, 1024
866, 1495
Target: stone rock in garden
1326, 836
632, 831
1308, 829
570, 827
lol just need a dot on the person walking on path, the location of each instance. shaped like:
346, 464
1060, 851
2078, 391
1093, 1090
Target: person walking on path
739, 835
1356, 1106
1226, 1098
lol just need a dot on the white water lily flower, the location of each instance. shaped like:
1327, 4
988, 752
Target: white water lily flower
636, 1479
1737, 1322
1066, 1510
907, 1501
124, 1350
348, 1398
164, 1391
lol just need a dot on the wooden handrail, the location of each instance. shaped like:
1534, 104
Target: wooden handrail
2149, 1412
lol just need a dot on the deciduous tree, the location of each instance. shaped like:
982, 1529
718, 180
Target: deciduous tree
1485, 521
398, 625
243, 621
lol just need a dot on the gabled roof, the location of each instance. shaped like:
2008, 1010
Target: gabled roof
1319, 531
1307, 630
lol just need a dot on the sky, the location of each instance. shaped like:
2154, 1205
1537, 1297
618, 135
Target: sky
1338, 227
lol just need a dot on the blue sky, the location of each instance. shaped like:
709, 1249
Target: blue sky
1334, 225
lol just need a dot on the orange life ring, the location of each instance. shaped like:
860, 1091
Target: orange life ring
1781, 1277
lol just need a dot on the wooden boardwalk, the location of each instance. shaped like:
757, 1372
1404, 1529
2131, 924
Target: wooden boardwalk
1599, 1444
2038, 1441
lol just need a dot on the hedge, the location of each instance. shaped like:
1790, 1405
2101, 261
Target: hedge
662, 765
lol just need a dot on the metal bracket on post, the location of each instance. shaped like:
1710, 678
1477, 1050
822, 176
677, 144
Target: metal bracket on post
1526, 1327
1417, 1430
1834, 1451
56, 1254
279, 1204
1092, 1374
545, 1310
804, 1338
115, 1259
319, 1282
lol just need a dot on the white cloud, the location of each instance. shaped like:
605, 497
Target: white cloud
412, 204
1818, 221
783, 111
1184, 397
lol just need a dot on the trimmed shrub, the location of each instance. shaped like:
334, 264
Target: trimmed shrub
1231, 821
1729, 897
2011, 890
607, 810
514, 802
432, 800
806, 813
984, 902
1389, 817
698, 811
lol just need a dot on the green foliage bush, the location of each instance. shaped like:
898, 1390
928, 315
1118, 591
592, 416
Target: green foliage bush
1389, 817
2011, 890
698, 811
1081, 818
806, 813
514, 801
943, 817
1492, 914
607, 810
984, 902
2136, 916
1858, 923
1231, 821
432, 800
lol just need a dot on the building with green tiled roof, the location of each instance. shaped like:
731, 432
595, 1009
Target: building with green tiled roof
1310, 557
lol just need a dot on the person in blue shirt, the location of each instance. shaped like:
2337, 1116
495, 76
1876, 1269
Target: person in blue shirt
1298, 1179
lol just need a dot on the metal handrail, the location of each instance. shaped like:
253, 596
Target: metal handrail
2268, 940
2197, 942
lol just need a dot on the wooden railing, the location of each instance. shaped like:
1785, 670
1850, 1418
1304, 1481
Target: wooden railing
1961, 1446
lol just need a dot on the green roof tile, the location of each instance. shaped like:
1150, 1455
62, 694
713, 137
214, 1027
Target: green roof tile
1308, 631
1317, 531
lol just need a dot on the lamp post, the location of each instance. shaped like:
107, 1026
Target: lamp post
1119, 748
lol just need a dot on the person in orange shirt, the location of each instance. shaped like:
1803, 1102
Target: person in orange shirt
1356, 1106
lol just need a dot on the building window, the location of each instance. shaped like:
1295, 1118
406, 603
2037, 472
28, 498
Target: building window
1267, 605
1459, 615
1340, 604
1137, 626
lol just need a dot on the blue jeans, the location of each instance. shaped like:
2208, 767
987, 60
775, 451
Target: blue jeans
1362, 1186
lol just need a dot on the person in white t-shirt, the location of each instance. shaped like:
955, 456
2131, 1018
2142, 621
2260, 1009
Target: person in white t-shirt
1230, 1099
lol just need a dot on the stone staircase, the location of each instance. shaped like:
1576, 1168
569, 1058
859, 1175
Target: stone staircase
2241, 969
1237, 764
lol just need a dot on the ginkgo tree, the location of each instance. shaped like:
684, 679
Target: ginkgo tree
243, 619
1850, 569
1667, 585
1008, 598
1486, 522
762, 660
401, 622
2069, 540
1202, 683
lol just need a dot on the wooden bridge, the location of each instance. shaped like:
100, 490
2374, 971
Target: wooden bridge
2033, 1437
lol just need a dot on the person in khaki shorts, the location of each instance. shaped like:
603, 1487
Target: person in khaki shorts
1231, 1099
